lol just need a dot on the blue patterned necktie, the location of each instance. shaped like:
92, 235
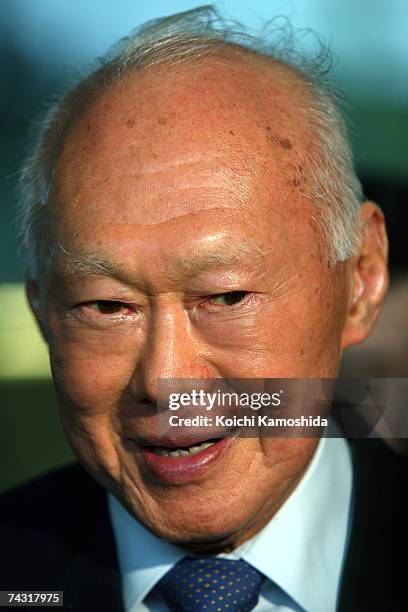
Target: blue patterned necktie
210, 584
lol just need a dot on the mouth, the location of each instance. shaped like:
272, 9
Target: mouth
183, 451
171, 464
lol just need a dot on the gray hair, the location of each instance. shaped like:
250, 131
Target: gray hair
180, 39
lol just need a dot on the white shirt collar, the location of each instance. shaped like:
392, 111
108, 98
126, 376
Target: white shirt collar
301, 549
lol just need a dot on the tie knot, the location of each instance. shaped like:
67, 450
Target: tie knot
211, 584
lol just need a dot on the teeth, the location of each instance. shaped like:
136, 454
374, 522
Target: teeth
182, 452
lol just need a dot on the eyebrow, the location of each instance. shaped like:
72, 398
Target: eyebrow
85, 264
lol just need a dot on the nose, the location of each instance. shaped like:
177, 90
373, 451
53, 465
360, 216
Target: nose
171, 350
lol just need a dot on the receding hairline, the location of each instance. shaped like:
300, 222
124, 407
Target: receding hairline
184, 39
274, 137
98, 84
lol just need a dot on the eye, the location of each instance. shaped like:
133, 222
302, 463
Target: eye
228, 299
107, 307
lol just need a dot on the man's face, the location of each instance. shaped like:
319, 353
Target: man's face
188, 249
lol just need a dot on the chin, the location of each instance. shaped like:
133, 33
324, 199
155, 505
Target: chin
196, 522
196, 536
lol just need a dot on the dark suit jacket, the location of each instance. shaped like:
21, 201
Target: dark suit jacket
55, 534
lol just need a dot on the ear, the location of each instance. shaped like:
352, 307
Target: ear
369, 276
34, 300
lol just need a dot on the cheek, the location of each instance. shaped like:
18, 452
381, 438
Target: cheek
91, 370
291, 455
309, 327
91, 367
297, 337
89, 388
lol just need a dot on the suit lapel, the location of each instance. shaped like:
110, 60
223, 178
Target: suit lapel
373, 577
90, 574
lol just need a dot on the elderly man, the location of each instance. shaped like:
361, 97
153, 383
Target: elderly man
191, 211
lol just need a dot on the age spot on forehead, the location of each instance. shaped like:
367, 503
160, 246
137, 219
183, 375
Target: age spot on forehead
285, 143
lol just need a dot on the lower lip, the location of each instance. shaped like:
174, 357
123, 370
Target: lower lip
179, 470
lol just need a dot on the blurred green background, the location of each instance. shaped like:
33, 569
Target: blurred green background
43, 42
31, 440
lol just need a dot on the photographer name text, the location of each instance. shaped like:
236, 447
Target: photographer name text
255, 420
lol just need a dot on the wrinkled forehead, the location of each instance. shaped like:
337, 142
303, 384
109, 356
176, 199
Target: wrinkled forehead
164, 143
